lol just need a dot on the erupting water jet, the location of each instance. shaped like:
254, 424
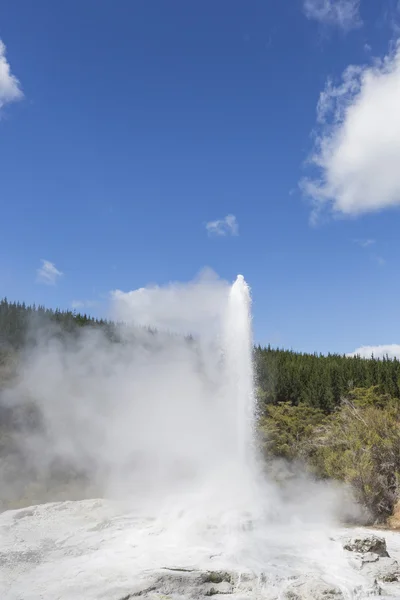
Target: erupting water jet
239, 366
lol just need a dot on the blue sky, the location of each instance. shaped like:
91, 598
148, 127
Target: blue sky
142, 141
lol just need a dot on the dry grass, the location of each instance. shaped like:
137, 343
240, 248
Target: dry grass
394, 520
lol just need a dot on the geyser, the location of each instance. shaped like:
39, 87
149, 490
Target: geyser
163, 425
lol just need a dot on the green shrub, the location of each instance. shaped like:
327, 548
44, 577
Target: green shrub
360, 444
286, 430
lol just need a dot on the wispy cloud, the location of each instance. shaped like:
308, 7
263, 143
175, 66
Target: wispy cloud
391, 350
341, 13
226, 226
391, 15
365, 243
48, 273
10, 88
379, 260
78, 304
357, 148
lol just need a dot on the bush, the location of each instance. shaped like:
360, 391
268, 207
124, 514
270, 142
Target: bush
286, 431
360, 444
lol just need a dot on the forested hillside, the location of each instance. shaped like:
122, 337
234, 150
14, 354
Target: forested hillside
320, 381
282, 376
339, 416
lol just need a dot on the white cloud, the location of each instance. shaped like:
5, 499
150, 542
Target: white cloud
390, 350
357, 148
48, 273
10, 89
226, 226
342, 13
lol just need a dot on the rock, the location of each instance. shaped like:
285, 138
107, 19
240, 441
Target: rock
357, 561
218, 588
217, 577
385, 569
315, 589
369, 557
372, 559
217, 582
373, 591
184, 583
370, 544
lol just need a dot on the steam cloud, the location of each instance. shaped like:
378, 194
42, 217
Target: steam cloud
133, 413
156, 419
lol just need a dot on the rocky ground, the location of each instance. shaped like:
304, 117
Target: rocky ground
90, 551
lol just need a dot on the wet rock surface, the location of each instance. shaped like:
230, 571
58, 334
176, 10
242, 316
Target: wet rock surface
85, 551
177, 585
380, 572
183, 584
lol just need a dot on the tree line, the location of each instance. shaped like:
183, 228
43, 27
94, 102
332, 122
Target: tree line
316, 380
17, 320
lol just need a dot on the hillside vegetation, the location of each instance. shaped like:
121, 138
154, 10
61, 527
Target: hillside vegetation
338, 415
